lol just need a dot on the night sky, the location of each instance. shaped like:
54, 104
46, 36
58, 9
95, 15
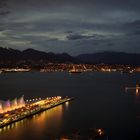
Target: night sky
72, 26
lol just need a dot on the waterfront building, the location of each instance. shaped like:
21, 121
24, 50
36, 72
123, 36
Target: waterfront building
11, 105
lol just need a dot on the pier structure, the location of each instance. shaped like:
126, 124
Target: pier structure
31, 107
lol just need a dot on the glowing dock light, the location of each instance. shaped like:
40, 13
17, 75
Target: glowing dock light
137, 88
100, 132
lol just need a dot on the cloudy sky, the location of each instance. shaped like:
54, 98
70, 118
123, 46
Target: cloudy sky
72, 26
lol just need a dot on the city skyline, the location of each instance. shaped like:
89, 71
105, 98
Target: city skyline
74, 27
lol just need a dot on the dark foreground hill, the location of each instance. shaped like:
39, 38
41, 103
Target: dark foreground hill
8, 55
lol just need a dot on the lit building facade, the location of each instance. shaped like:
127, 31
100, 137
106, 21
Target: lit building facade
11, 105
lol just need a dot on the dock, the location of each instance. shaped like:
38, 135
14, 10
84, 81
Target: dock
30, 109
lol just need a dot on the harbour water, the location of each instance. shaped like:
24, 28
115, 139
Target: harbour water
100, 102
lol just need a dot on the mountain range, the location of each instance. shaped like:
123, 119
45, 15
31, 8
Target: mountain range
111, 57
13, 56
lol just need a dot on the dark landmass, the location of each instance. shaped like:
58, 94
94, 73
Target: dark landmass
33, 58
111, 58
10, 58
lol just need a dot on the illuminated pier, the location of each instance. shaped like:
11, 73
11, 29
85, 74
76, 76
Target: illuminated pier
31, 107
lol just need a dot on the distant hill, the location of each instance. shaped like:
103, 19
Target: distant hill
11, 56
110, 58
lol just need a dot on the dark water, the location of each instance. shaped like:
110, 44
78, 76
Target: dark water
100, 101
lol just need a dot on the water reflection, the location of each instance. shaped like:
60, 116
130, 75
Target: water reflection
48, 122
12, 126
136, 91
47, 118
67, 105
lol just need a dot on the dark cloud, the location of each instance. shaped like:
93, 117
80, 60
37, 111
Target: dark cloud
132, 28
136, 24
3, 7
136, 32
77, 36
73, 26
3, 3
73, 36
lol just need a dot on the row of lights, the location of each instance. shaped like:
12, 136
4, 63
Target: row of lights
30, 100
57, 97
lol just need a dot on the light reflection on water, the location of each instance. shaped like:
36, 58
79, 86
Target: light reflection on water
45, 120
135, 91
50, 120
12, 126
137, 98
67, 105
